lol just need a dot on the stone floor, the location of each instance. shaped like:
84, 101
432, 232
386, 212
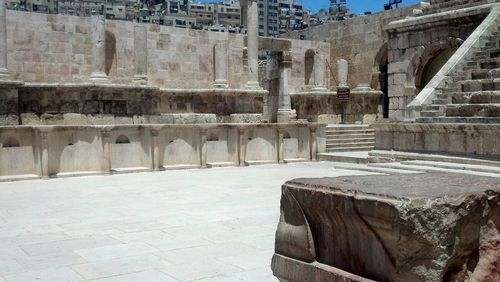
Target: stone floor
192, 225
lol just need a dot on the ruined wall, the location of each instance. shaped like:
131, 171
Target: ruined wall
359, 40
57, 48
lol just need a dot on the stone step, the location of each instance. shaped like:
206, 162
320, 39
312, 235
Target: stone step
433, 108
352, 136
405, 156
430, 113
472, 110
472, 167
478, 97
432, 169
347, 126
351, 144
349, 141
480, 85
349, 149
485, 73
330, 132
490, 63
367, 168
479, 120
440, 101
495, 54
360, 157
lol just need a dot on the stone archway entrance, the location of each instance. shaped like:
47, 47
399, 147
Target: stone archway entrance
431, 67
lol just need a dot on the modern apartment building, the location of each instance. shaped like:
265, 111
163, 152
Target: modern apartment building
278, 16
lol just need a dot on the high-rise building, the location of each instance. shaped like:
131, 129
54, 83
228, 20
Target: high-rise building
338, 9
278, 16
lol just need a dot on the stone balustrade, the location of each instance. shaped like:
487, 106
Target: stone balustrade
56, 151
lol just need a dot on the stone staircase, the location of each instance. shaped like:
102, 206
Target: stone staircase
472, 93
349, 138
437, 6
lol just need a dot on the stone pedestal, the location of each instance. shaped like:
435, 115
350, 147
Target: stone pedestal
253, 44
284, 104
319, 72
419, 227
141, 55
98, 40
4, 72
220, 65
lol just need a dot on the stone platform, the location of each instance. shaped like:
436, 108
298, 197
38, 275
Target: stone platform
415, 227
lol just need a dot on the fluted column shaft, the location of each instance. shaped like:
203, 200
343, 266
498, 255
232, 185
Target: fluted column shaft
98, 39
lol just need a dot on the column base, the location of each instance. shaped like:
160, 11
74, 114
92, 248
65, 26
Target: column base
253, 85
363, 87
140, 79
99, 77
283, 115
221, 84
319, 89
4, 74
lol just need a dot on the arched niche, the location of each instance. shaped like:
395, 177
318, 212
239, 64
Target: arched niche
11, 142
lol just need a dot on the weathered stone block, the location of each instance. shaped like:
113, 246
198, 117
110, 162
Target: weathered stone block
423, 227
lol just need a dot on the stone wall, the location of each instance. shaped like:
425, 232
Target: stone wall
51, 151
477, 140
361, 41
57, 49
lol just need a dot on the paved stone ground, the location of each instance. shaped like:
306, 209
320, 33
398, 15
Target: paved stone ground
193, 225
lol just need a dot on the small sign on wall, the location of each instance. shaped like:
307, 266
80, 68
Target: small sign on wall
343, 94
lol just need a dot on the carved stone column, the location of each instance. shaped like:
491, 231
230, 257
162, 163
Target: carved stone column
342, 72
203, 148
141, 55
98, 37
106, 143
253, 44
242, 146
313, 143
155, 132
4, 72
43, 135
284, 103
319, 72
220, 65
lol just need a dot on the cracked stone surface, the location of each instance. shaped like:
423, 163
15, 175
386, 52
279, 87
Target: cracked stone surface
419, 227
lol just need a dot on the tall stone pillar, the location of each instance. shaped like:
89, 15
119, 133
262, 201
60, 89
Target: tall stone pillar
284, 103
98, 37
220, 65
342, 72
141, 55
4, 72
319, 72
280, 145
253, 44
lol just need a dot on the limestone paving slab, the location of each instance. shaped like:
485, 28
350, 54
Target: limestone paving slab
203, 224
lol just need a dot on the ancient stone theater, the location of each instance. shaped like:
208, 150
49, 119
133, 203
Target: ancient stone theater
409, 96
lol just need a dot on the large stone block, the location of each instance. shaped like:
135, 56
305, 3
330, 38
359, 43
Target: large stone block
423, 227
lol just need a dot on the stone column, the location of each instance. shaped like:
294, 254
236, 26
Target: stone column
312, 143
319, 72
253, 44
98, 37
141, 55
284, 103
203, 148
220, 65
4, 72
106, 143
43, 135
342, 72
242, 146
155, 132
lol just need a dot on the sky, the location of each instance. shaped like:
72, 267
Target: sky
356, 6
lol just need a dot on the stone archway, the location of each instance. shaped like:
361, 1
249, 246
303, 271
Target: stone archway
380, 77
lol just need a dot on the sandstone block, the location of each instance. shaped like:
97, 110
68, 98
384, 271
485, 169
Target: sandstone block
423, 227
